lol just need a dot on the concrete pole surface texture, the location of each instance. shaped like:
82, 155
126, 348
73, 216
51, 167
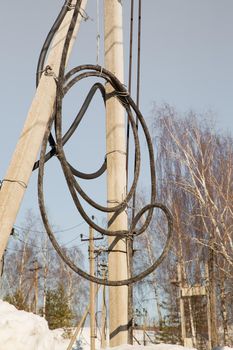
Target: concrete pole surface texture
19, 171
116, 173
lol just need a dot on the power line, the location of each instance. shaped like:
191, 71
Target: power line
57, 231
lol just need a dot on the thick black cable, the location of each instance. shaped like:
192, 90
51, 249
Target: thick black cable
129, 85
129, 246
138, 85
72, 183
139, 51
64, 83
132, 231
122, 205
45, 48
71, 131
49, 38
40, 68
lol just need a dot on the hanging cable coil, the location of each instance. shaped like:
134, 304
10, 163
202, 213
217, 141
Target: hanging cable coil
64, 83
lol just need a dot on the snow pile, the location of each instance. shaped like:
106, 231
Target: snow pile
20, 330
151, 347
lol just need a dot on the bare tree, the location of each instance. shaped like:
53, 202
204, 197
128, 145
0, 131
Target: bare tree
37, 269
195, 166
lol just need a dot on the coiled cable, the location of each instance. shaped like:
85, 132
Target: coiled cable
64, 84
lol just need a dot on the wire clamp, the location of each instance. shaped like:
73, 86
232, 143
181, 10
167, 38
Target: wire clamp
116, 150
21, 183
50, 73
84, 15
69, 5
121, 93
100, 68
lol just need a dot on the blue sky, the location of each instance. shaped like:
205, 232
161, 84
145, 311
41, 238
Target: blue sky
187, 56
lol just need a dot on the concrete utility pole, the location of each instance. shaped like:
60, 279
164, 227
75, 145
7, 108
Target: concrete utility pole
104, 318
35, 271
92, 288
20, 168
212, 295
36, 268
116, 172
208, 307
182, 313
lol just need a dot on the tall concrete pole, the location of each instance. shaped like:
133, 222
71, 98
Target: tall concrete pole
182, 311
103, 344
208, 307
116, 172
212, 295
36, 268
92, 288
20, 168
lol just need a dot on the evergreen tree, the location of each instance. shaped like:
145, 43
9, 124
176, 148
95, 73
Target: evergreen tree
57, 310
18, 300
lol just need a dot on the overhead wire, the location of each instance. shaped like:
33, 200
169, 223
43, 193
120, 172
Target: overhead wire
98, 32
138, 87
129, 84
129, 245
49, 38
56, 231
64, 83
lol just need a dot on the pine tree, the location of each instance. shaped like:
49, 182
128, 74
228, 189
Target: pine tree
57, 311
17, 299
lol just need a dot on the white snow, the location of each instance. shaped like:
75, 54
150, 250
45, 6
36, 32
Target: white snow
20, 330
151, 347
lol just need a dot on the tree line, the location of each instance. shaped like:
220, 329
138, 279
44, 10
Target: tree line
35, 279
194, 165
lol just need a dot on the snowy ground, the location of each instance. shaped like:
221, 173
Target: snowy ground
20, 330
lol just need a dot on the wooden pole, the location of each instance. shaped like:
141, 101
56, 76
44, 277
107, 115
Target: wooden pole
208, 308
116, 172
182, 313
144, 329
20, 168
80, 324
212, 296
104, 318
36, 268
92, 289
77, 330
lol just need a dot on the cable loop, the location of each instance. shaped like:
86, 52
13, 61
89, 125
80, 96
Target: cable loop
64, 83
70, 79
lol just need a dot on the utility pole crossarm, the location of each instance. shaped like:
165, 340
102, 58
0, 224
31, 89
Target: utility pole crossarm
19, 171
